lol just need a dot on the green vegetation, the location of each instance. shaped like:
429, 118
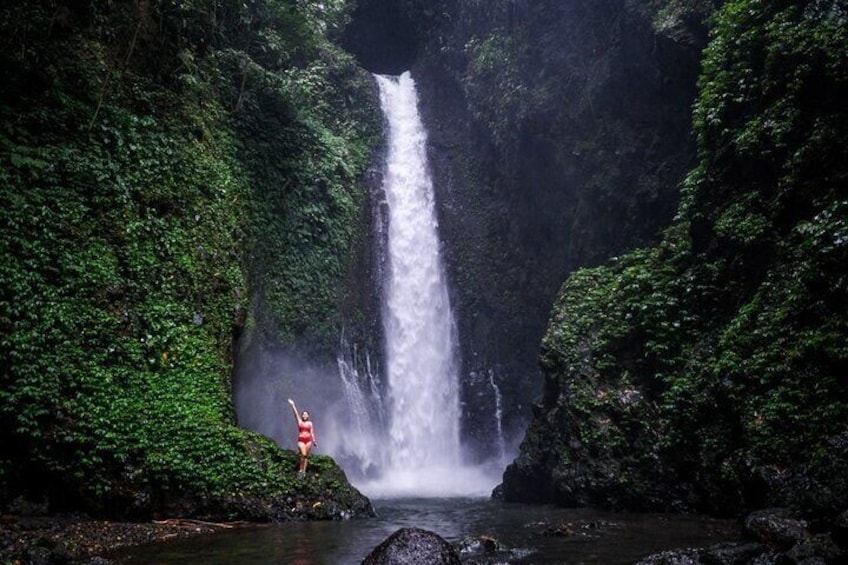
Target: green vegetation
165, 166
716, 362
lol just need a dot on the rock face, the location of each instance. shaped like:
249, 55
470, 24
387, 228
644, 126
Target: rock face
553, 147
413, 546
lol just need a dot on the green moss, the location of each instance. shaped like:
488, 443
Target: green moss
150, 191
731, 330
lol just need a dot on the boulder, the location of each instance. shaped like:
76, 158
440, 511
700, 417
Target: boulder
413, 546
816, 548
478, 545
775, 527
731, 553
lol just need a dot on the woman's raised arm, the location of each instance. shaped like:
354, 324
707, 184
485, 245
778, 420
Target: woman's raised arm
294, 409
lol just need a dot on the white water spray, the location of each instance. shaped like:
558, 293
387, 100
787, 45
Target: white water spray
421, 455
361, 387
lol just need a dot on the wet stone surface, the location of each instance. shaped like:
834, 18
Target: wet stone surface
74, 539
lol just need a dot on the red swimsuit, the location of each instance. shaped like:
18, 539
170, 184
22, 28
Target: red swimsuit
304, 433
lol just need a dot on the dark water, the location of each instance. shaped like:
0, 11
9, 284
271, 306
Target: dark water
593, 537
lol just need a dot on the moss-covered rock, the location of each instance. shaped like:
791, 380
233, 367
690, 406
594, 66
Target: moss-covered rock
709, 371
166, 167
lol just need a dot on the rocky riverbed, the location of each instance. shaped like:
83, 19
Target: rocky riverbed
70, 539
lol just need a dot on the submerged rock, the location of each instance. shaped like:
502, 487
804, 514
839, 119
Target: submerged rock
477, 545
673, 557
720, 554
772, 526
413, 546
732, 553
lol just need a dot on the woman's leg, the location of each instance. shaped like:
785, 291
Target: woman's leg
303, 453
307, 452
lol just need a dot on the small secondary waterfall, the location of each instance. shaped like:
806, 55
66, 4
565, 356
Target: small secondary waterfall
419, 449
498, 417
366, 416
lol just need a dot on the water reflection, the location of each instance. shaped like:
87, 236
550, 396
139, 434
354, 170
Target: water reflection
528, 534
303, 551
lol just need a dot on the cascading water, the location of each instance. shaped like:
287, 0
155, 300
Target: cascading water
420, 454
419, 329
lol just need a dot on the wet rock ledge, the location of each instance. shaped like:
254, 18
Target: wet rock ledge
49, 540
32, 533
776, 536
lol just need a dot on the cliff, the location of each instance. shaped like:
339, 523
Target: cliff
708, 372
179, 178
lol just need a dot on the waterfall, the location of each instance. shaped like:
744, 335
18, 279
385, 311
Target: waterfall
420, 452
419, 329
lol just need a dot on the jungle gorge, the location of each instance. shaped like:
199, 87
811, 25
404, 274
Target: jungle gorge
643, 216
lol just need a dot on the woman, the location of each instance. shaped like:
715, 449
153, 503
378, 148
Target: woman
305, 438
